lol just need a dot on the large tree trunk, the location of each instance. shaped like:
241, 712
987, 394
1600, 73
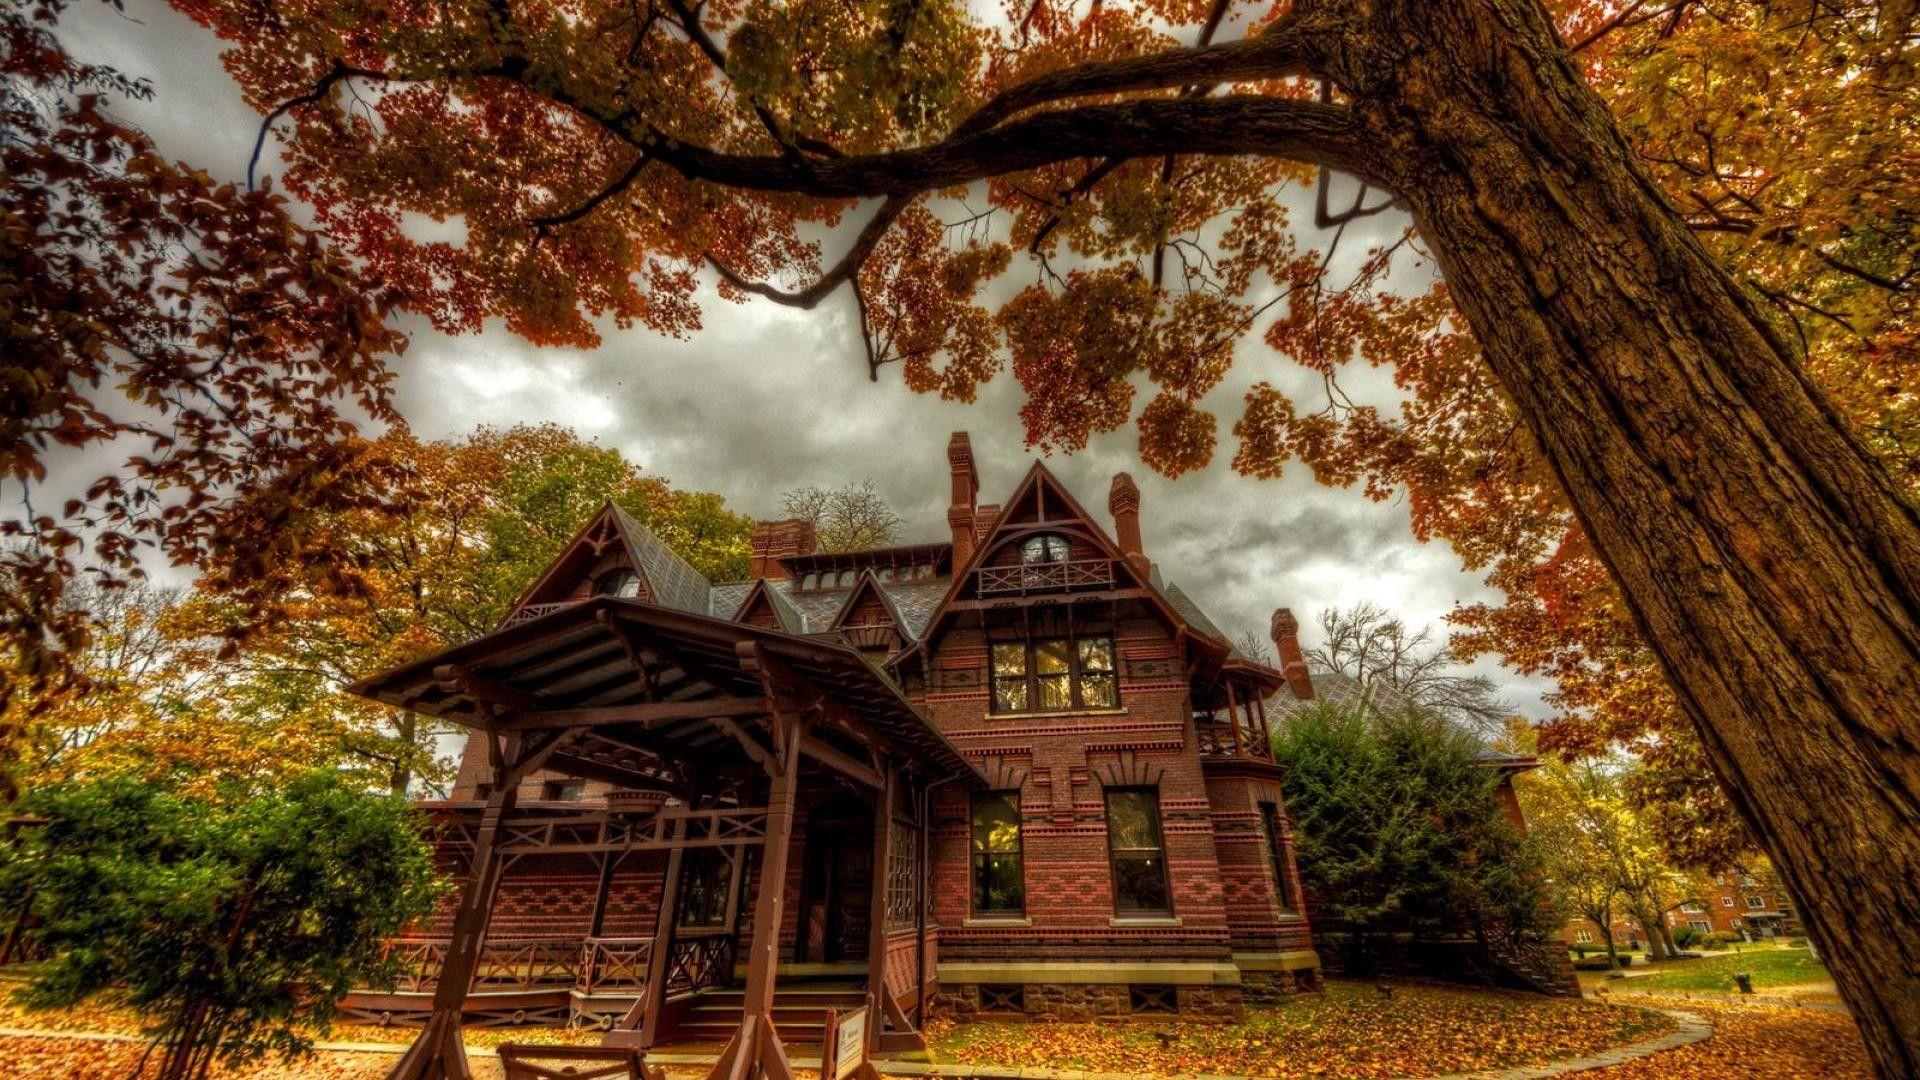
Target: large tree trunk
1768, 558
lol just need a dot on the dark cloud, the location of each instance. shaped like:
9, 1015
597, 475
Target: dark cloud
765, 399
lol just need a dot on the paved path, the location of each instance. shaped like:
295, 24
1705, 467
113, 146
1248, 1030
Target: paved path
1692, 1029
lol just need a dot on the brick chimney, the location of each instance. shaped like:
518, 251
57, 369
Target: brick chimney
1123, 502
983, 520
776, 540
1286, 646
966, 495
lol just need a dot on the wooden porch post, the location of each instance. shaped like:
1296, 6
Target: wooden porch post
879, 999
755, 1048
1233, 716
437, 1054
660, 957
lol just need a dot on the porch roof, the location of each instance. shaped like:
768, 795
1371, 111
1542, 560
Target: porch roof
589, 663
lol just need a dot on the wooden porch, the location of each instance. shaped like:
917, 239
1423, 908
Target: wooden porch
713, 732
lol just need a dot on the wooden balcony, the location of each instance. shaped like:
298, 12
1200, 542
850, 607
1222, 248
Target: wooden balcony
1046, 577
534, 611
1217, 740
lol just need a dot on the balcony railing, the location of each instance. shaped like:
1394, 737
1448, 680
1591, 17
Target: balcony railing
614, 965
1044, 577
1216, 740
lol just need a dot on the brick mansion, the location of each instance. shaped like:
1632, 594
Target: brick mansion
1014, 771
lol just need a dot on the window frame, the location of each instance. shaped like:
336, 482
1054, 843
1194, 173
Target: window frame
696, 865
978, 855
1029, 676
1152, 796
1276, 855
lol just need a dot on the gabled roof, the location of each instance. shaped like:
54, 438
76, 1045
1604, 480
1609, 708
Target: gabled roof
665, 578
867, 585
1040, 478
785, 614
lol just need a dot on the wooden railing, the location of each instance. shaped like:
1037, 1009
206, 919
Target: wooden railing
1216, 740
534, 611
700, 961
1040, 577
604, 965
505, 964
614, 965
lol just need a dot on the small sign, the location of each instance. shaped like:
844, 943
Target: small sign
848, 1040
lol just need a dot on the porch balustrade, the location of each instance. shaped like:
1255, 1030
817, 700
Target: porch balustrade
1216, 740
602, 965
1040, 577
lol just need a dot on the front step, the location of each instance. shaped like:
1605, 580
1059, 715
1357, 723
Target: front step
799, 1013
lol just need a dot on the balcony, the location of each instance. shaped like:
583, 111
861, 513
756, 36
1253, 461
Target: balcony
1217, 740
534, 611
1045, 577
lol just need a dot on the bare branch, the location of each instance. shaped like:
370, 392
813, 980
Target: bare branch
848, 265
620, 184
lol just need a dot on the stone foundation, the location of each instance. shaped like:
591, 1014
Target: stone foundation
1268, 987
1085, 1001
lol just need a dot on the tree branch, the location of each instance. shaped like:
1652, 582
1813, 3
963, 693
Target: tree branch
848, 265
620, 184
1246, 124
340, 70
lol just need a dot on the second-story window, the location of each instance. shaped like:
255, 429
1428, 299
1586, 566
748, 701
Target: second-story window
1054, 674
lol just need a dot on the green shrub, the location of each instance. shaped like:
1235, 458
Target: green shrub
1686, 936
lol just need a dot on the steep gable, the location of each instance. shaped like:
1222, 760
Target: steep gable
614, 555
764, 607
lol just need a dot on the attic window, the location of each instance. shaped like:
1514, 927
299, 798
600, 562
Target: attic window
1047, 548
622, 582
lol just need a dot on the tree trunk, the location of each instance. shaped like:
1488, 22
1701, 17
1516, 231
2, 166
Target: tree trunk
1768, 558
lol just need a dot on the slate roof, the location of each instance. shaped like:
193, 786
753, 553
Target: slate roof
676, 584
914, 600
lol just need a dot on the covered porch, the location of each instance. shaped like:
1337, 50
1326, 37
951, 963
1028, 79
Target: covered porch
769, 794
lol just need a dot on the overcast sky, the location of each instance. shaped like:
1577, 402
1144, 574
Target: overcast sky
765, 399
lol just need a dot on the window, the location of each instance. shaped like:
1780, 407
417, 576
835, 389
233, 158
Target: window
1692, 908
1276, 855
1701, 925
1755, 903
1583, 937
621, 582
704, 885
1726, 901
1735, 923
999, 883
1139, 860
1054, 674
1045, 549
563, 790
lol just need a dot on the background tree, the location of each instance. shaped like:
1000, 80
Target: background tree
477, 520
851, 517
1400, 665
194, 329
231, 923
1399, 830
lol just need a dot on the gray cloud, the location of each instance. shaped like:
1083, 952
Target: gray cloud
765, 399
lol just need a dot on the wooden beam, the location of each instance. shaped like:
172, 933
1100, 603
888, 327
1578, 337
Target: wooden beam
645, 714
464, 681
877, 993
839, 762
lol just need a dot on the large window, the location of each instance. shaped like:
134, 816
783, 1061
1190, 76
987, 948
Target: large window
999, 883
1045, 549
1276, 855
1139, 857
621, 582
1054, 674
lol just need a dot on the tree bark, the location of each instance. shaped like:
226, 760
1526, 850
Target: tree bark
1767, 556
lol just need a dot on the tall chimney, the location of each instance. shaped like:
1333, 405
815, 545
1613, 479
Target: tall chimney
1286, 645
966, 494
983, 520
776, 540
1123, 502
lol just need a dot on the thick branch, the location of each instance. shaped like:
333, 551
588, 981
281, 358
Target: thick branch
622, 183
1240, 124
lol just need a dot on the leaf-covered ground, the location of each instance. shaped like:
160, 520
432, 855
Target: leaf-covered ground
1349, 1031
1422, 1031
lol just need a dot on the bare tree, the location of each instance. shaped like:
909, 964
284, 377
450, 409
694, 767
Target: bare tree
852, 517
1254, 647
1390, 660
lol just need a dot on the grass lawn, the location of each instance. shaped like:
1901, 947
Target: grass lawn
1349, 1031
1771, 969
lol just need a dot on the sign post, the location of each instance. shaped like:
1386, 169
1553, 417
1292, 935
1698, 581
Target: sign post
845, 1047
